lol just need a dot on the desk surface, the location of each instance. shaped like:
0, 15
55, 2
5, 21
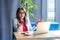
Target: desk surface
50, 34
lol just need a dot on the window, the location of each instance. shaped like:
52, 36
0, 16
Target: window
50, 10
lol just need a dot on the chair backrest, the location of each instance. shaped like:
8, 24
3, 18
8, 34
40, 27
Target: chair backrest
33, 24
54, 26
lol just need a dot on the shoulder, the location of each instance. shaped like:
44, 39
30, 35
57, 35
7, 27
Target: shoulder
15, 20
27, 18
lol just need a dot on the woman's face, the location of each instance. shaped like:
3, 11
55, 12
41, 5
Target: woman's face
21, 14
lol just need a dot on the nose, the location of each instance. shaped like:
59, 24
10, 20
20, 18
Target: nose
21, 15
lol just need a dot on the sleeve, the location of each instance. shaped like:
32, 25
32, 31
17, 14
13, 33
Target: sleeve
15, 25
28, 24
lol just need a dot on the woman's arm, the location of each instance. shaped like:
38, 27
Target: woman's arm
28, 24
16, 25
30, 28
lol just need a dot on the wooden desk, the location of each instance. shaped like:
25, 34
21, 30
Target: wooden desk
51, 34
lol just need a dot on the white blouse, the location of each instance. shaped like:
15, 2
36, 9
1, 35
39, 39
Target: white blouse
30, 28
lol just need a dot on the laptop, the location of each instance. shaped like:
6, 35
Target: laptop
42, 27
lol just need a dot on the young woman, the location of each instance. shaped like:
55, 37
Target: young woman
21, 22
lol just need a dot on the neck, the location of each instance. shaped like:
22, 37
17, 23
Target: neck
22, 19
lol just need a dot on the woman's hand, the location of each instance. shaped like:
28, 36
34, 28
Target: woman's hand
39, 21
18, 25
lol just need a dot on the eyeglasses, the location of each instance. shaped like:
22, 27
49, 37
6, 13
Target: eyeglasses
22, 12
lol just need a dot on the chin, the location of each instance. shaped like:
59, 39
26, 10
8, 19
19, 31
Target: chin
22, 17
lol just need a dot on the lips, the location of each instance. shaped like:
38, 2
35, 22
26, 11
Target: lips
22, 16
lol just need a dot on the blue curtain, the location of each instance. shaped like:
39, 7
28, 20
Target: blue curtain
7, 13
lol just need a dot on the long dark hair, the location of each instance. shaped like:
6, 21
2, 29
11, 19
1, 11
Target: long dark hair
17, 15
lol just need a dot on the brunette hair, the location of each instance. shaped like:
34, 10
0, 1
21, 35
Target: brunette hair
17, 15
